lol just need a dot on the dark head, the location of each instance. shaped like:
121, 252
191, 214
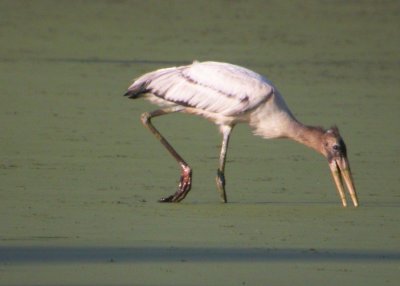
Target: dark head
334, 149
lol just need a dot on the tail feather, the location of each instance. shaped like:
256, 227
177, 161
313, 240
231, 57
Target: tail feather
141, 84
136, 91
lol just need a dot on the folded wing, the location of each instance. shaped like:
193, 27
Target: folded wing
214, 87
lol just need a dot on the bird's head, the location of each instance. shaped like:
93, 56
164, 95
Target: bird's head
334, 149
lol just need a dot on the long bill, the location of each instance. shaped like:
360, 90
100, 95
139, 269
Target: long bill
340, 169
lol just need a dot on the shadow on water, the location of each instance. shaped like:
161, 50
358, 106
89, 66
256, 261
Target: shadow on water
186, 254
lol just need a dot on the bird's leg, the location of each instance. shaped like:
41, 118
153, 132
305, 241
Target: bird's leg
226, 131
186, 172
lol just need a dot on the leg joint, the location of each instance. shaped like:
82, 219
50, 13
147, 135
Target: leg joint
186, 169
220, 178
145, 118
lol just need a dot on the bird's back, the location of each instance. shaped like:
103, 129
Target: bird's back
213, 87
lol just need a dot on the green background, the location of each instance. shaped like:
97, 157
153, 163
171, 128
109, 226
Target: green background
80, 177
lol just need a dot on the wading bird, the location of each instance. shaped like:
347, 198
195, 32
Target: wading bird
227, 95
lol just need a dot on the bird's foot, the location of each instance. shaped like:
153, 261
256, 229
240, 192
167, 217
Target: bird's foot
168, 199
185, 184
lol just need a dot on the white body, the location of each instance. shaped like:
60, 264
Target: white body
224, 93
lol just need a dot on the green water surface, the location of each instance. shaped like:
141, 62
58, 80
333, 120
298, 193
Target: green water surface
80, 177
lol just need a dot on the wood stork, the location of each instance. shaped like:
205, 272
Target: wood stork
227, 95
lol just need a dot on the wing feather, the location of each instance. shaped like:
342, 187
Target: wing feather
214, 87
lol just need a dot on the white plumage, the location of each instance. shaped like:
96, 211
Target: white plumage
215, 87
220, 91
228, 94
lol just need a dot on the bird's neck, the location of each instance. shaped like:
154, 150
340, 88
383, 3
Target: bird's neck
309, 136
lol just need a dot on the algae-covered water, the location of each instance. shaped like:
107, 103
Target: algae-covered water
80, 177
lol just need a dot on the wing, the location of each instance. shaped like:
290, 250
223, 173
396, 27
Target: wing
214, 87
